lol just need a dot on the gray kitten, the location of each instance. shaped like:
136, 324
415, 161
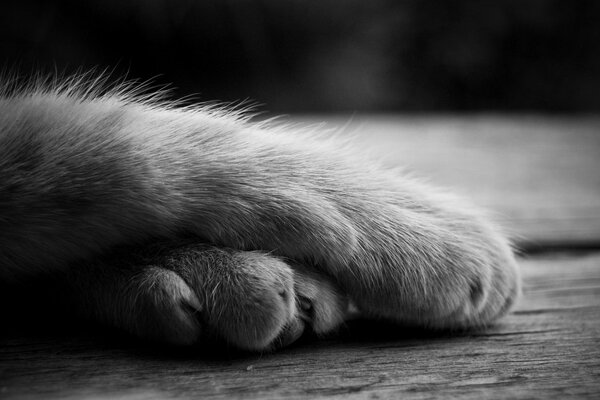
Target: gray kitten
247, 231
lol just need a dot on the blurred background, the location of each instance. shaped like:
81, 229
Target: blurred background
326, 56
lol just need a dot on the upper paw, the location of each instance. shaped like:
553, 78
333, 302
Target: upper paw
467, 280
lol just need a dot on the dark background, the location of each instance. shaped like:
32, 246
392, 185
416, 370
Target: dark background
325, 56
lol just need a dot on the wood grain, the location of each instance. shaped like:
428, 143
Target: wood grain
539, 175
548, 348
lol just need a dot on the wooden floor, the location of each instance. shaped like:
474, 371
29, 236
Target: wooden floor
542, 178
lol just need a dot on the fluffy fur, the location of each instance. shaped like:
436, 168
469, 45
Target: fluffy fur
176, 222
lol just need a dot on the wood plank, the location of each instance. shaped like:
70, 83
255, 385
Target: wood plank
539, 174
548, 348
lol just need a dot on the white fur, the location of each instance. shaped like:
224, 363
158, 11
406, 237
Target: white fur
84, 170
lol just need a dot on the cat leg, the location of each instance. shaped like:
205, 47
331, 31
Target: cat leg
107, 172
180, 295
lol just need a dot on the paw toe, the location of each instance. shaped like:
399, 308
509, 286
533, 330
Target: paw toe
167, 309
320, 303
476, 293
489, 302
254, 306
291, 332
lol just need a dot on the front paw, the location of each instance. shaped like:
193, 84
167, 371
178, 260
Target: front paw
183, 295
250, 300
258, 302
485, 289
447, 270
481, 280
418, 256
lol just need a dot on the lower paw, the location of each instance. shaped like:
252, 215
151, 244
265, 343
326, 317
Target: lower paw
249, 300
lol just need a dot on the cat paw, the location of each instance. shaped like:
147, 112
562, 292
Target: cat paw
484, 288
255, 308
255, 301
248, 298
488, 295
468, 279
183, 295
